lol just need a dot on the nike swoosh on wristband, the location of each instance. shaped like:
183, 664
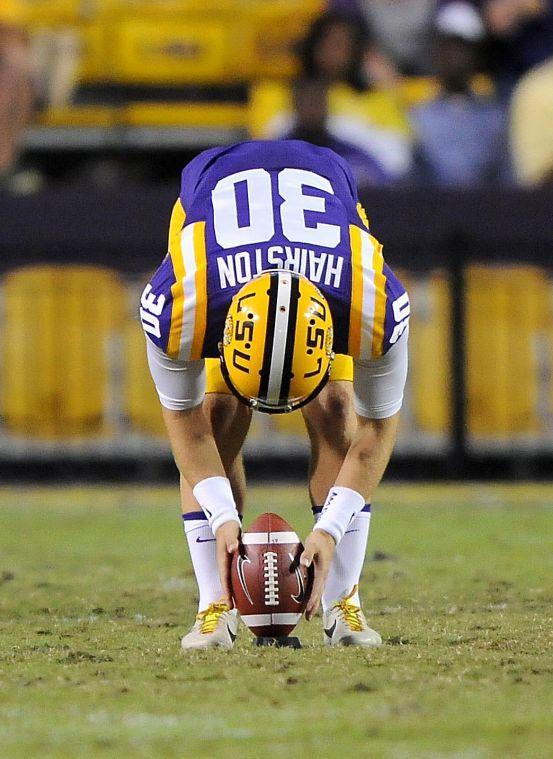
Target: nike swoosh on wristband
330, 631
205, 540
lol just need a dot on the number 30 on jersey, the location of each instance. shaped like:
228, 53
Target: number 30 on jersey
244, 211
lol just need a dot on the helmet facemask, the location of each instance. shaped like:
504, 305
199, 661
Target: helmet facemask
276, 351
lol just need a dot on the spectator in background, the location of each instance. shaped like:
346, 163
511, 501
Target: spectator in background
402, 29
364, 118
532, 126
311, 124
459, 136
340, 48
16, 88
333, 50
520, 37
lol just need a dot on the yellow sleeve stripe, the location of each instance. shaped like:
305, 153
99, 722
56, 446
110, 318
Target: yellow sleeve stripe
380, 299
362, 215
356, 306
178, 217
201, 291
177, 290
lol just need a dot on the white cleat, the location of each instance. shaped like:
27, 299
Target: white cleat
215, 627
345, 625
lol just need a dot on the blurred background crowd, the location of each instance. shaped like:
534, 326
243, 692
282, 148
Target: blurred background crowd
443, 108
411, 92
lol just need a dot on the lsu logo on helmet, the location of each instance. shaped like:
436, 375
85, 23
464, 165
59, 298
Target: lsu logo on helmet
277, 343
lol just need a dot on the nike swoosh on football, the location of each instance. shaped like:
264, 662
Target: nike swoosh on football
330, 630
205, 540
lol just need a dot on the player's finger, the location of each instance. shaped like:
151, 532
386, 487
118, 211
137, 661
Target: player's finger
322, 568
314, 599
306, 559
232, 546
224, 558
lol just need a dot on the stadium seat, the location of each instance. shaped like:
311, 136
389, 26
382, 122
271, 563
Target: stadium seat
140, 404
271, 104
164, 8
508, 331
60, 323
177, 42
79, 116
197, 115
430, 352
54, 12
173, 51
413, 90
277, 28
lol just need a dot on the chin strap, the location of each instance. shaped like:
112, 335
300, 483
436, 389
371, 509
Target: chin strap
266, 408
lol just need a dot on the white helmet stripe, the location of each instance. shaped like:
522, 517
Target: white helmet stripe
280, 334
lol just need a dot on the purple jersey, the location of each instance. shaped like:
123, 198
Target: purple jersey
255, 206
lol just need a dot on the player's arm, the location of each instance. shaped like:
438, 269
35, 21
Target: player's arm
378, 394
181, 387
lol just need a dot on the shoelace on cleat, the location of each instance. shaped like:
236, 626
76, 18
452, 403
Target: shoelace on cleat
210, 617
349, 612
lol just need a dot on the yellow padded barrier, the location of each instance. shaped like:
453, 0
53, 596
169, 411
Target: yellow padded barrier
289, 424
429, 352
59, 326
140, 398
508, 319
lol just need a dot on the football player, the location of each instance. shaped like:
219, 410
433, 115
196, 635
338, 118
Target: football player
275, 296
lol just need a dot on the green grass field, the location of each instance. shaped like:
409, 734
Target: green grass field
96, 589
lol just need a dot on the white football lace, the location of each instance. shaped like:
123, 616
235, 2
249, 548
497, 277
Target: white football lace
270, 571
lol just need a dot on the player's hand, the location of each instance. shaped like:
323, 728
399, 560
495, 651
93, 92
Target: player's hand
227, 544
319, 550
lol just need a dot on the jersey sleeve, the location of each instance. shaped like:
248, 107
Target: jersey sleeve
350, 181
192, 174
379, 305
160, 303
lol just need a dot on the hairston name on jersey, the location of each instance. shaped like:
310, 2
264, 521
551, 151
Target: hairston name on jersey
319, 267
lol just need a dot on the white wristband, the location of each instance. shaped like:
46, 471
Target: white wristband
341, 506
214, 494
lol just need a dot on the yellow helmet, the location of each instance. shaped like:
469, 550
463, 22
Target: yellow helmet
277, 343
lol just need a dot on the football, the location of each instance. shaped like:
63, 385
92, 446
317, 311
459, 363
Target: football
270, 587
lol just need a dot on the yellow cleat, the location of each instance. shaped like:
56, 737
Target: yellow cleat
215, 627
345, 625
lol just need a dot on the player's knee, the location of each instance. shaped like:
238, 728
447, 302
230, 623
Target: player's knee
230, 420
337, 403
224, 411
330, 419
